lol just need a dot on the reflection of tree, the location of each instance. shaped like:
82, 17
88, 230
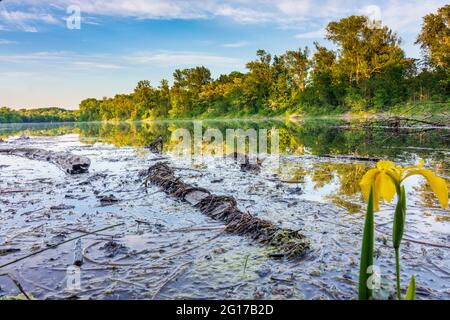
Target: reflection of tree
292, 172
321, 174
136, 134
348, 175
424, 191
350, 206
345, 175
316, 136
38, 129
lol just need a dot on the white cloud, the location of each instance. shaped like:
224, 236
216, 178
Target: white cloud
407, 17
35, 57
25, 21
95, 65
242, 14
238, 44
5, 42
318, 34
402, 16
65, 59
175, 58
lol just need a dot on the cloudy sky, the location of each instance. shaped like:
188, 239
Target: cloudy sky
45, 61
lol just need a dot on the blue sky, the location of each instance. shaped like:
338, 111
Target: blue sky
44, 63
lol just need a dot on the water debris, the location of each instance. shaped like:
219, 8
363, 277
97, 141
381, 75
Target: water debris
248, 164
5, 251
286, 242
113, 248
107, 200
62, 206
156, 146
70, 163
295, 190
250, 167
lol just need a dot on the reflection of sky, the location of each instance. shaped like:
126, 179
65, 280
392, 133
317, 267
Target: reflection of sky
319, 194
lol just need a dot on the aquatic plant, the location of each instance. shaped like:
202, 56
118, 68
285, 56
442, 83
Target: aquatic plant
384, 182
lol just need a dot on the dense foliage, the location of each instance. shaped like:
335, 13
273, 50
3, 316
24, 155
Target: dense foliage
367, 72
8, 115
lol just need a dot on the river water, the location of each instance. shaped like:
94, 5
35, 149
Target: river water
168, 250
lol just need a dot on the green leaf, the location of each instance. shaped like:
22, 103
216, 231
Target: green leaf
411, 292
365, 293
399, 219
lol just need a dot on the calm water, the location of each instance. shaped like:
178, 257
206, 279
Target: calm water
309, 190
325, 180
308, 136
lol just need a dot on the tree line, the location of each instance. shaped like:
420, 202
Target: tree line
8, 115
367, 72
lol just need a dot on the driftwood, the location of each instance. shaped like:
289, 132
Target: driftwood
286, 242
6, 251
247, 164
156, 146
70, 163
350, 157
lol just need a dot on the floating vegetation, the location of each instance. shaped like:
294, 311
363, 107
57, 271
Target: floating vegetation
286, 242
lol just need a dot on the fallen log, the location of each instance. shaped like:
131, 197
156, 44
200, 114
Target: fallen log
349, 157
286, 242
156, 146
70, 163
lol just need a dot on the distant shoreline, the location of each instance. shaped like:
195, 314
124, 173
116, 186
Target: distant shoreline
429, 109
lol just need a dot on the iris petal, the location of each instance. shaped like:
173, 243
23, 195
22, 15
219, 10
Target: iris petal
387, 187
385, 165
408, 169
438, 185
376, 191
367, 181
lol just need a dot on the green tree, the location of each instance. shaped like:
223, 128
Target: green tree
368, 55
435, 37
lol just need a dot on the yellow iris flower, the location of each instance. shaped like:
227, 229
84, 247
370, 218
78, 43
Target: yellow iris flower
386, 179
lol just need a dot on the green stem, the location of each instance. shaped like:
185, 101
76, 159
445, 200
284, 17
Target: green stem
397, 269
397, 233
365, 293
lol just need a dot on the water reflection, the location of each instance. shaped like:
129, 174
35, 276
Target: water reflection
334, 180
